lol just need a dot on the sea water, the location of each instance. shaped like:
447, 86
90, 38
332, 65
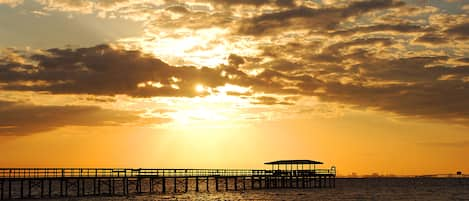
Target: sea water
346, 189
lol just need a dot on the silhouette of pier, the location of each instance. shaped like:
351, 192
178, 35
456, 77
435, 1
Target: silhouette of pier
23, 183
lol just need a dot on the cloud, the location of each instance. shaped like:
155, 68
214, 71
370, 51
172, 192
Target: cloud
102, 70
83, 6
460, 31
434, 39
269, 100
25, 119
321, 19
281, 3
397, 28
11, 3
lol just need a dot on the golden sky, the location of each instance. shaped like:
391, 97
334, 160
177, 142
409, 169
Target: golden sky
370, 86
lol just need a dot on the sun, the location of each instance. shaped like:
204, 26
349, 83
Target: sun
199, 88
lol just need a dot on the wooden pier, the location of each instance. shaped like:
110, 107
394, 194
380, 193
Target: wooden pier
26, 183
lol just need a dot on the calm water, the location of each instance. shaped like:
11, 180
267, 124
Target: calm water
347, 189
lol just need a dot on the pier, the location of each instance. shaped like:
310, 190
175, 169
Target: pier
26, 183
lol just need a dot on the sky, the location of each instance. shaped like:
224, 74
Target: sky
368, 86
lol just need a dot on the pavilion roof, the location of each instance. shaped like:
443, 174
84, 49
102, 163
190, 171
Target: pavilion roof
292, 162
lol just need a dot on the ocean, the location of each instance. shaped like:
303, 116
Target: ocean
443, 189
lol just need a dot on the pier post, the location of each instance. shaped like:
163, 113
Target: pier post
109, 186
29, 188
208, 184
244, 183
50, 188
66, 187
216, 183
42, 188
21, 193
99, 186
113, 184
186, 184
124, 185
252, 182
297, 181
226, 183
175, 185
137, 184
236, 183
78, 187
9, 188
94, 186
1, 189
151, 185
83, 188
61, 188
196, 184
163, 185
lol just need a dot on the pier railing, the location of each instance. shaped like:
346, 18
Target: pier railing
127, 172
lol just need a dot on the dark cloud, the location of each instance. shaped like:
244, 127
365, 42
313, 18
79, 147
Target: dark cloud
280, 3
236, 60
322, 19
434, 39
102, 70
190, 19
460, 31
25, 119
268, 100
398, 28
